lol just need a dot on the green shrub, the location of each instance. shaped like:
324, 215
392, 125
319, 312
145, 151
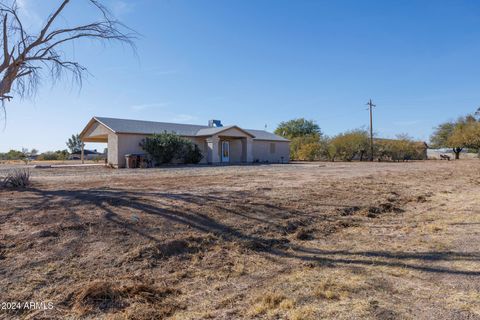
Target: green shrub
191, 153
346, 146
165, 147
309, 147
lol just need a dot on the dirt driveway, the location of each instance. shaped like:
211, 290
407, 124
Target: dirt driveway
298, 241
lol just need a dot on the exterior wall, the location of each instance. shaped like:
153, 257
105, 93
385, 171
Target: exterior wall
235, 150
262, 151
112, 147
128, 143
213, 155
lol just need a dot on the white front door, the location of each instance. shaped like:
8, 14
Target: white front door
225, 151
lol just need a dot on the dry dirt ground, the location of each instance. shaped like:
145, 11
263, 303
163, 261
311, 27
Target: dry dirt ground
298, 241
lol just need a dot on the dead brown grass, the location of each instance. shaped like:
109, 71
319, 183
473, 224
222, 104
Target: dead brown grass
342, 241
132, 301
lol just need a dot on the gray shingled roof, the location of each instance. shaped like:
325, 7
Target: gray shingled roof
265, 135
190, 130
148, 127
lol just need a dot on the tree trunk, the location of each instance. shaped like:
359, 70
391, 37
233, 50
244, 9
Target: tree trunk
457, 152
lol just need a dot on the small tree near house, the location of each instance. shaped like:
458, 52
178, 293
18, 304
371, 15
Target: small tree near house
307, 142
74, 143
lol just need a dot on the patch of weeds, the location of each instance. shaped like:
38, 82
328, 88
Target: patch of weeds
382, 313
328, 290
101, 296
270, 302
17, 179
303, 313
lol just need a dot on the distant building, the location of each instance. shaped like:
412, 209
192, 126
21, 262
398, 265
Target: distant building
465, 153
87, 155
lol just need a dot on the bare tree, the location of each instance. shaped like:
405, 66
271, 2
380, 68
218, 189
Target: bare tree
26, 58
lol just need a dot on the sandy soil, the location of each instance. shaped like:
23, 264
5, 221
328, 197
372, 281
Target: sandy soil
298, 241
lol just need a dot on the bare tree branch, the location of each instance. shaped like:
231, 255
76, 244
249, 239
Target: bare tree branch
6, 56
28, 58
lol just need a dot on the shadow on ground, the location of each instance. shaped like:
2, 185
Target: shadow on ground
215, 214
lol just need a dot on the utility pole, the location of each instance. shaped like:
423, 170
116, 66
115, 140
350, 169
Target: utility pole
371, 106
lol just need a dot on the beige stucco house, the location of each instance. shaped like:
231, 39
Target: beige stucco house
219, 144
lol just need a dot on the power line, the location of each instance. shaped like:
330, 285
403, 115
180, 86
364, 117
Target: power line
370, 107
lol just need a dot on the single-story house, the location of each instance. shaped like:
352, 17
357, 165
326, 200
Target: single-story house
218, 143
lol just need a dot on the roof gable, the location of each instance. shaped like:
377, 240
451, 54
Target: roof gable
209, 131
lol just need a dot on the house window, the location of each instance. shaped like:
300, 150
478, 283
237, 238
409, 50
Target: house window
272, 147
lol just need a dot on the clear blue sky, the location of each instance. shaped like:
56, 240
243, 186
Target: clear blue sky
259, 62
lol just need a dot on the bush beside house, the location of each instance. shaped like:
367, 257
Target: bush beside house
167, 147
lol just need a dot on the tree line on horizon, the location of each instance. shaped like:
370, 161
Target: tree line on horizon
74, 145
309, 143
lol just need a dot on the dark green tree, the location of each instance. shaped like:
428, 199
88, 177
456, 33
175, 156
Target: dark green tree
298, 128
74, 143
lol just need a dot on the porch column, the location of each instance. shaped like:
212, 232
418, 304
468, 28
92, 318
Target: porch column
249, 150
81, 154
212, 152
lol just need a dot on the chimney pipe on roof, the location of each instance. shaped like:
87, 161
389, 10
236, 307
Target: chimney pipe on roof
215, 123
